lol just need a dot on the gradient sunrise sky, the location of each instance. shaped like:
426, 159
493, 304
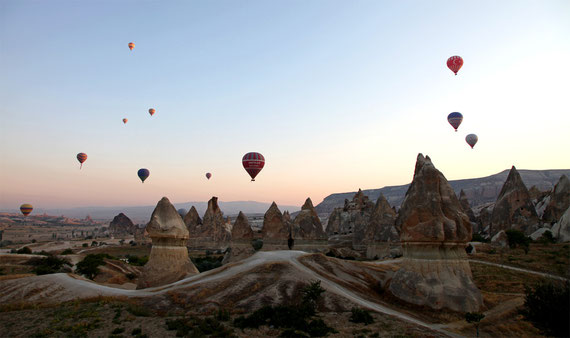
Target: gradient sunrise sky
337, 95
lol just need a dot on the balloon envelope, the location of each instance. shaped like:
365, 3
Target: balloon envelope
125, 121
81, 157
26, 209
455, 63
132, 45
151, 111
143, 174
253, 163
471, 140
208, 175
455, 119
182, 212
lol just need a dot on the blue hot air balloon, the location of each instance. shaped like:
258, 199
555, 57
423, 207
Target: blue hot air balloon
455, 119
143, 174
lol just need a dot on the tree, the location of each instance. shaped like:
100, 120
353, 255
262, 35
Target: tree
474, 317
547, 307
89, 266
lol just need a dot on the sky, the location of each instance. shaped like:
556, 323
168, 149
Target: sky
337, 95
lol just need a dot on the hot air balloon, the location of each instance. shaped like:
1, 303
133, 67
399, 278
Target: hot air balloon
455, 119
208, 175
471, 139
132, 45
143, 174
81, 157
253, 163
125, 121
26, 209
151, 111
182, 212
455, 63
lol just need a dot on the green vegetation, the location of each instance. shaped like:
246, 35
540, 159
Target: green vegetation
547, 307
257, 244
474, 317
25, 250
207, 262
361, 316
547, 238
293, 318
479, 238
67, 252
47, 265
197, 327
136, 260
89, 266
517, 238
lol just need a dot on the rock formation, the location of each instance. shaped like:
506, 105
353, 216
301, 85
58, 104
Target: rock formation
121, 225
214, 227
561, 230
466, 206
559, 200
435, 271
193, 222
382, 224
307, 224
168, 261
275, 227
241, 229
351, 218
514, 209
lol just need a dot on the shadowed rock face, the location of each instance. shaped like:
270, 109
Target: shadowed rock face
352, 218
192, 221
561, 230
214, 225
559, 200
514, 208
307, 224
241, 229
168, 261
434, 231
381, 226
466, 206
274, 224
121, 225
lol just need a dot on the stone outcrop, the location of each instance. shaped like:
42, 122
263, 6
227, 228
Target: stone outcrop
275, 227
382, 224
121, 225
514, 208
435, 271
193, 222
352, 218
241, 229
561, 230
307, 224
168, 261
214, 225
559, 200
466, 206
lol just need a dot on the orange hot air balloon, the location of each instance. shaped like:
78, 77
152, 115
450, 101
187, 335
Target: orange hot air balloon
125, 121
26, 209
151, 111
81, 157
131, 45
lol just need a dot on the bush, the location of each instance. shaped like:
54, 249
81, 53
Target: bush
67, 252
136, 260
516, 238
197, 327
89, 266
361, 316
479, 238
25, 250
207, 263
50, 264
257, 244
547, 237
546, 306
85, 245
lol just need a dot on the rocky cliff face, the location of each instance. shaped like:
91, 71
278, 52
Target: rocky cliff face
559, 200
274, 225
382, 224
352, 218
241, 229
435, 271
307, 224
168, 261
193, 223
464, 201
215, 226
514, 208
561, 230
121, 225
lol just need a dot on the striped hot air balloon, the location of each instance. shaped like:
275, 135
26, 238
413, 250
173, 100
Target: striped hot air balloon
253, 163
455, 63
26, 209
471, 140
151, 111
132, 45
455, 119
81, 157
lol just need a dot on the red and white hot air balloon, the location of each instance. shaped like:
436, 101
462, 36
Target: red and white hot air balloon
253, 163
455, 63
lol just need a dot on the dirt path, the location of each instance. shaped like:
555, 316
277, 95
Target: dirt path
543, 274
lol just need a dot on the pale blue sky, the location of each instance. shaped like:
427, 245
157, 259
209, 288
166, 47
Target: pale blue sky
336, 95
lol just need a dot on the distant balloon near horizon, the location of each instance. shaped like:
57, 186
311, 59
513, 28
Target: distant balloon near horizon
125, 121
182, 212
81, 157
132, 45
208, 175
26, 209
455, 63
253, 163
151, 111
471, 140
143, 174
455, 119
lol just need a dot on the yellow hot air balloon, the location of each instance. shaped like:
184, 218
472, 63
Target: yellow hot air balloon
26, 209
131, 45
